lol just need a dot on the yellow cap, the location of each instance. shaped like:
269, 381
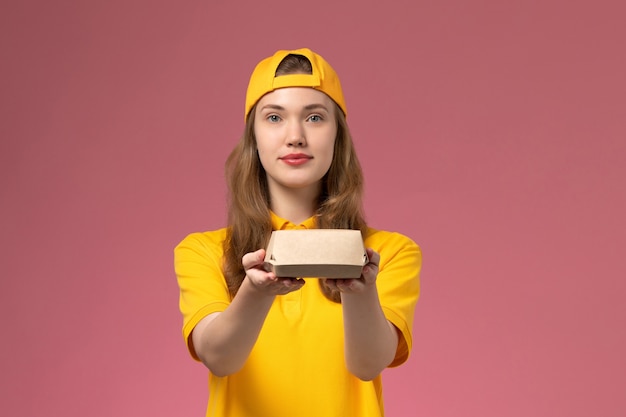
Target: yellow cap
264, 80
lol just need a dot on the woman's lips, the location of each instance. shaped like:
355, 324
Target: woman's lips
295, 159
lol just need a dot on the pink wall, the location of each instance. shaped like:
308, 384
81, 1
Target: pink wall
493, 133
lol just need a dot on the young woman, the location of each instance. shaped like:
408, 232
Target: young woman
280, 346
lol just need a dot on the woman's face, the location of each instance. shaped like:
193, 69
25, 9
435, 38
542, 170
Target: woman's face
295, 131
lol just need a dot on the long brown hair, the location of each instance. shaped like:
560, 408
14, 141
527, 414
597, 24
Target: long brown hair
249, 221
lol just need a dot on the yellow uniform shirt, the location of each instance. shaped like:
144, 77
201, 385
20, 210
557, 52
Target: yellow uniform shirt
297, 366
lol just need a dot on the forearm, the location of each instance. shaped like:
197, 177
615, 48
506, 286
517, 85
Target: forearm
224, 341
371, 340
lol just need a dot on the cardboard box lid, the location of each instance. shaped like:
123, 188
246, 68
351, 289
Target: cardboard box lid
328, 253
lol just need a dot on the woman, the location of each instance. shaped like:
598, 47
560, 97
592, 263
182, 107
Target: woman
278, 346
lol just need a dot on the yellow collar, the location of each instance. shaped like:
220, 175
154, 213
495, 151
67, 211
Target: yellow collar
279, 223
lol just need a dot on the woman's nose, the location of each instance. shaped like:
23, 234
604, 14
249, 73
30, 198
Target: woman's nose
295, 135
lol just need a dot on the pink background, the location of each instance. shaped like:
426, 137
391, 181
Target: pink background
491, 132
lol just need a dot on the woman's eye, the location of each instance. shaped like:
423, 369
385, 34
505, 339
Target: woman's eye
315, 118
273, 118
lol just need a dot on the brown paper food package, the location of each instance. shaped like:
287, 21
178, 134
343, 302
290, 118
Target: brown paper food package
323, 253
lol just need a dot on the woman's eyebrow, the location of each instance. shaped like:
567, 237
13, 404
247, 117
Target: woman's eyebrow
315, 106
273, 106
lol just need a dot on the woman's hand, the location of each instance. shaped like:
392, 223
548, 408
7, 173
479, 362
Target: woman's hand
224, 340
358, 285
266, 282
370, 340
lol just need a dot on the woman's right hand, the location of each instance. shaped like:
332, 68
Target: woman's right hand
224, 340
266, 282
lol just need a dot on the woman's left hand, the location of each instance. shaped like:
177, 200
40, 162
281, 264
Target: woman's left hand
357, 285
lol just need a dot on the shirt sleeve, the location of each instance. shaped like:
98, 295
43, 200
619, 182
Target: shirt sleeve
203, 289
398, 284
